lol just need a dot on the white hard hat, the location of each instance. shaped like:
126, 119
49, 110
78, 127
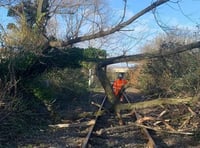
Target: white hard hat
120, 75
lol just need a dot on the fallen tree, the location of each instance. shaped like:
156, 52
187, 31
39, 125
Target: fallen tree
45, 44
157, 102
101, 73
41, 14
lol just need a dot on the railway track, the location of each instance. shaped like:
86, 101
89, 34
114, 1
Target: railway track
85, 143
149, 128
106, 132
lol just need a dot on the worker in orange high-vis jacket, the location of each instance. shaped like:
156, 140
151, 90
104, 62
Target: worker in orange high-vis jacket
118, 85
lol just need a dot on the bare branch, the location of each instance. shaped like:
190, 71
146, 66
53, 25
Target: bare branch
124, 12
144, 56
114, 29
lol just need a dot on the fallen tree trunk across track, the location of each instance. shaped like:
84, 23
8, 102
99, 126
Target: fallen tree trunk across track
156, 102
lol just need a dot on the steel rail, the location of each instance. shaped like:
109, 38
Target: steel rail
85, 142
150, 143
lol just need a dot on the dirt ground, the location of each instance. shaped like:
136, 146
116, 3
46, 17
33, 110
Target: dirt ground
178, 118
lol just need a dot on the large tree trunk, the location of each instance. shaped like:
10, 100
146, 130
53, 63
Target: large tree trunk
101, 74
156, 102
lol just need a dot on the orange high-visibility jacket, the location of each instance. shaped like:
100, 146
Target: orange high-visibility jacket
118, 84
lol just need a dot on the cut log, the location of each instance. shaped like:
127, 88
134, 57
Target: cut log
68, 125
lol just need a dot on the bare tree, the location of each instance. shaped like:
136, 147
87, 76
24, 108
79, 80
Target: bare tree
86, 20
101, 31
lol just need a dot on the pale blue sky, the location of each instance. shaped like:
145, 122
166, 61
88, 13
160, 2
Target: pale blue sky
169, 13
3, 17
170, 10
184, 14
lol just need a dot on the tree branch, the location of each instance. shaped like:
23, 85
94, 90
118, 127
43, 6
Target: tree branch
144, 56
116, 28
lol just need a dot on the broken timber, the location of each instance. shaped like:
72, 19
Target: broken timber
151, 143
68, 125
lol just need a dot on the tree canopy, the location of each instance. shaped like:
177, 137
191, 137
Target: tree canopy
34, 33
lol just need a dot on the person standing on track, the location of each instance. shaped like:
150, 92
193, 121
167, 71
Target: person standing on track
119, 86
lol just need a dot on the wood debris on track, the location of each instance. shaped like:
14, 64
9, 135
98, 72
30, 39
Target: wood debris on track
162, 126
